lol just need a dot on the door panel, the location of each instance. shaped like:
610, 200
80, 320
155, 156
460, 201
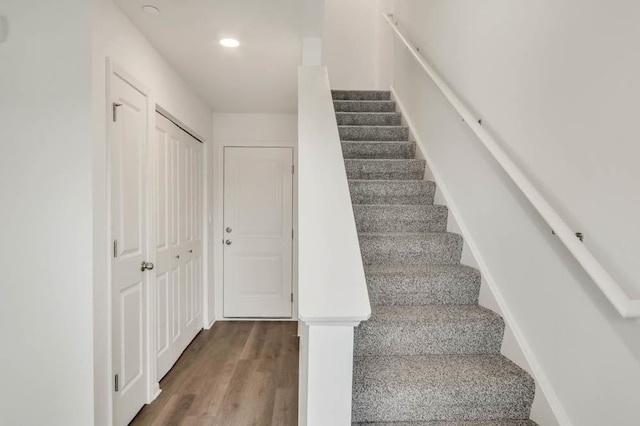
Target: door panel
177, 174
258, 222
127, 149
163, 319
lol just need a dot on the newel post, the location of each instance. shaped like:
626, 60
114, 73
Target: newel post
326, 374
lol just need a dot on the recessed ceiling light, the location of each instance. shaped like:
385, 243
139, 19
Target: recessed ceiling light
150, 10
229, 42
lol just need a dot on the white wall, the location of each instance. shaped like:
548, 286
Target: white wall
541, 411
555, 83
354, 52
244, 130
46, 335
115, 36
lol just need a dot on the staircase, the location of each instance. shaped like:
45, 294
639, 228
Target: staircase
429, 355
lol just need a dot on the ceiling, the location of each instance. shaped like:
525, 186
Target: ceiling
258, 76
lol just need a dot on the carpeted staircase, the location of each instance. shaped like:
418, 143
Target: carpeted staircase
429, 355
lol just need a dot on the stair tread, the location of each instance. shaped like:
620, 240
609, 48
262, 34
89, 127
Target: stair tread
360, 94
368, 118
404, 206
409, 248
455, 423
426, 387
433, 314
363, 106
422, 285
403, 270
362, 113
409, 218
353, 150
395, 182
374, 125
406, 235
399, 191
385, 168
379, 142
385, 160
363, 100
429, 371
373, 132
429, 330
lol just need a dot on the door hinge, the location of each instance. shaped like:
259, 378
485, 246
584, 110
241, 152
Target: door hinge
115, 248
293, 169
116, 384
292, 234
291, 297
114, 110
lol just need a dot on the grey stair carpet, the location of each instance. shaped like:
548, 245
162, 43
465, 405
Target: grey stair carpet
411, 169
372, 150
429, 355
369, 118
455, 423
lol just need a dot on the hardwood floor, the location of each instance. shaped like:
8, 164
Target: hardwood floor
236, 374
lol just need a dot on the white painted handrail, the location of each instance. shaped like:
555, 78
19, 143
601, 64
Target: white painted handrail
332, 284
625, 305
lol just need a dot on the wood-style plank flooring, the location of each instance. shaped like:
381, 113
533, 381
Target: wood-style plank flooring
236, 374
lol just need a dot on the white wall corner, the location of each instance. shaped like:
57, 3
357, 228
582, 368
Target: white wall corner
312, 51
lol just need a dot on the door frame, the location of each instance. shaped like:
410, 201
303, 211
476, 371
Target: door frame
153, 387
218, 216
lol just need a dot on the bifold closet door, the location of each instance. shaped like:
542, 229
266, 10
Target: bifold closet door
178, 229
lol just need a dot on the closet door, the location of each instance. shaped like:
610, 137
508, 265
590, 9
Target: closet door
178, 184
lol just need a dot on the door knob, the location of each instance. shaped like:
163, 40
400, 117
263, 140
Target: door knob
228, 242
228, 230
146, 266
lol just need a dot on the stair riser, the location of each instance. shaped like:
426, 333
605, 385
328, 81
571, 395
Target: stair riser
369, 119
382, 339
427, 388
413, 193
392, 411
385, 170
455, 423
361, 95
435, 288
432, 249
373, 133
400, 218
378, 150
364, 106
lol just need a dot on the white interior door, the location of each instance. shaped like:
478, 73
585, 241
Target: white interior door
178, 219
258, 232
127, 147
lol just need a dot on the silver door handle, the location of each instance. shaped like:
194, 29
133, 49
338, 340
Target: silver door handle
228, 230
146, 266
228, 242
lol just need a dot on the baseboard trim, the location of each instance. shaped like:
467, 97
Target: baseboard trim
538, 373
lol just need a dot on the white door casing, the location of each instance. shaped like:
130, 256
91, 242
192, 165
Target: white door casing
258, 232
178, 228
128, 133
